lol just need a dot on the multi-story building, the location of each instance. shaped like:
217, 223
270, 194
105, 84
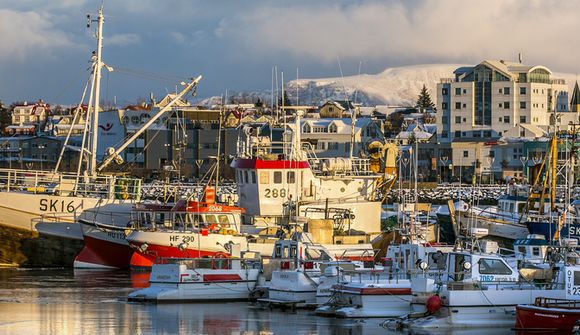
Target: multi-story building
487, 100
496, 99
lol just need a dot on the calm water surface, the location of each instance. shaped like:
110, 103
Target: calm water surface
93, 302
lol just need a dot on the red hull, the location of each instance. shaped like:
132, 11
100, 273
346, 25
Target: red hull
145, 260
530, 317
101, 253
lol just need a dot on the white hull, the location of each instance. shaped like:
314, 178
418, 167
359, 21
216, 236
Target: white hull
370, 300
482, 308
176, 283
293, 286
22, 210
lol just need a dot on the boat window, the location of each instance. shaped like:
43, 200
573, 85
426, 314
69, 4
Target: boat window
245, 176
264, 177
291, 177
536, 251
521, 207
511, 209
285, 254
240, 179
293, 251
277, 177
180, 220
489, 266
223, 219
437, 261
210, 218
253, 177
576, 278
522, 249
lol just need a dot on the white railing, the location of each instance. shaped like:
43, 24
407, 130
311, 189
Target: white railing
68, 184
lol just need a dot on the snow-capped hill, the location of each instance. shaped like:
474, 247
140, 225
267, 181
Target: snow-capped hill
397, 86
393, 86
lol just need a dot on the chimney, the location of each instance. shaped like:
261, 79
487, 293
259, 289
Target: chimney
520, 57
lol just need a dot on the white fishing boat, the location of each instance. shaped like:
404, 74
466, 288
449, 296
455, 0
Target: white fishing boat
386, 293
306, 272
479, 290
201, 279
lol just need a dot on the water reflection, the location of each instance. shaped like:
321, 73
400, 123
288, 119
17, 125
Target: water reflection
93, 302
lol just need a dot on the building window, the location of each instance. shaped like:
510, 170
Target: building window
465, 154
444, 120
458, 119
464, 91
458, 105
500, 91
506, 119
522, 132
464, 105
522, 90
506, 105
457, 91
522, 105
443, 105
457, 134
277, 177
500, 105
332, 128
291, 177
306, 128
506, 90
444, 91
522, 119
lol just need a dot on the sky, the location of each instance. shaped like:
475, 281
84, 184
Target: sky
152, 45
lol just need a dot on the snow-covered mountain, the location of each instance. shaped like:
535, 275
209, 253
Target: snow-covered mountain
397, 86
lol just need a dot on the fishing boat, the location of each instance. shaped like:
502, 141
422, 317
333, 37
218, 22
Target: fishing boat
549, 315
480, 290
275, 169
232, 278
26, 196
190, 229
305, 272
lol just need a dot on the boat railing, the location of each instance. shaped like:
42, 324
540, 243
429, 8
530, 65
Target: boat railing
501, 284
557, 303
219, 261
67, 184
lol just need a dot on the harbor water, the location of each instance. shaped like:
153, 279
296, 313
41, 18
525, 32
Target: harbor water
63, 301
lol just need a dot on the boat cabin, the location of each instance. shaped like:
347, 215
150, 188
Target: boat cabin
463, 266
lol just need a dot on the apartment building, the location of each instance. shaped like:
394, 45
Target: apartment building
487, 100
496, 99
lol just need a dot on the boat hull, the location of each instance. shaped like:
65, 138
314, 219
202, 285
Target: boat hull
198, 285
148, 246
531, 317
549, 230
104, 249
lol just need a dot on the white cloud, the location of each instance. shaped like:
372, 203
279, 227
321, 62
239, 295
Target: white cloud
426, 31
122, 39
29, 35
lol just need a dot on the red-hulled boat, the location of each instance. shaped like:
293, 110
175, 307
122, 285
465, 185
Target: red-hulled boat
106, 245
200, 229
546, 314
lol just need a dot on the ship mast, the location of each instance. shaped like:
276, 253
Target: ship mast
97, 90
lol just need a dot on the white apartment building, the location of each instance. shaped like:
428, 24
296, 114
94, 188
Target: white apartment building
485, 101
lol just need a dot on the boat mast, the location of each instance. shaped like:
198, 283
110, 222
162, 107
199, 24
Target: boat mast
98, 66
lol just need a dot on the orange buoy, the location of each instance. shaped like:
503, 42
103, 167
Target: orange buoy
433, 304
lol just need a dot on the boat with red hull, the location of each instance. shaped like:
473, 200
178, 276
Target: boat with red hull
554, 315
106, 245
